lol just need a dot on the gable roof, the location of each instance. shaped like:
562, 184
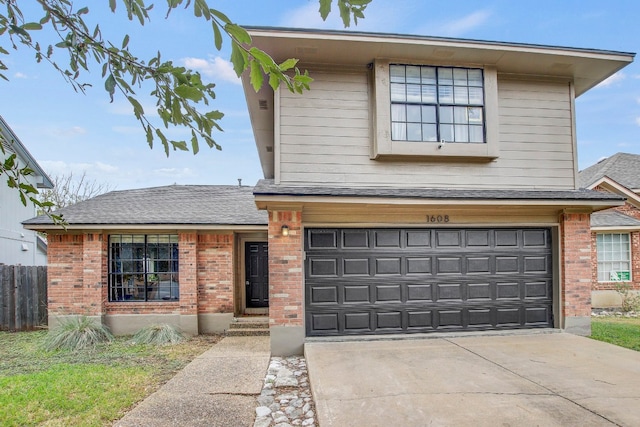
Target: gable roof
613, 220
624, 168
173, 205
12, 144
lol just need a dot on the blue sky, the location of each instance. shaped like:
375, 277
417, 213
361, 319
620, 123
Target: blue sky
66, 131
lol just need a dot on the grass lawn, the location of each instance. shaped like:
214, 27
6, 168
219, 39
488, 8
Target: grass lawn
87, 388
621, 331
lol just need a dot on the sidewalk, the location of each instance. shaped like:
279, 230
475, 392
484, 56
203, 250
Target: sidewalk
218, 388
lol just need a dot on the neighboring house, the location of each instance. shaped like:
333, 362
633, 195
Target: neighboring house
17, 245
423, 184
615, 248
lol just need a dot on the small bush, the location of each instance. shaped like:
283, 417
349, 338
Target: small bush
630, 299
162, 334
77, 333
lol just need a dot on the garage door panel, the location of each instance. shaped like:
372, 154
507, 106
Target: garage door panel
418, 265
368, 281
356, 267
355, 239
388, 265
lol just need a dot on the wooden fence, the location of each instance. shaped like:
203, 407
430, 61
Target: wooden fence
23, 297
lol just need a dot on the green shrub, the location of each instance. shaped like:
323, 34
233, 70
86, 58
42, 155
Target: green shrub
630, 299
161, 334
77, 333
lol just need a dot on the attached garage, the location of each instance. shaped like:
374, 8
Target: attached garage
411, 280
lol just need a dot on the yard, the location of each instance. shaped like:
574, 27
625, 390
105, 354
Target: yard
88, 388
621, 331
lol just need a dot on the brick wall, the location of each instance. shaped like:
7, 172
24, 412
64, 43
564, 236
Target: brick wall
575, 242
215, 273
629, 210
285, 269
75, 274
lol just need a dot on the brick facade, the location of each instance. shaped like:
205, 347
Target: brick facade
215, 273
77, 276
632, 211
575, 250
286, 299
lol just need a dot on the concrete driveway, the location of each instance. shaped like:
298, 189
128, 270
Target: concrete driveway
531, 379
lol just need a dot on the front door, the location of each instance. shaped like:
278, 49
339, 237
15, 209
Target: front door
257, 274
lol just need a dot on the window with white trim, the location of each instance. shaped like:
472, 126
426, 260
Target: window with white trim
614, 257
436, 104
143, 267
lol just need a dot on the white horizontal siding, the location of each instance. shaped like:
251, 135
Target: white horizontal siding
325, 140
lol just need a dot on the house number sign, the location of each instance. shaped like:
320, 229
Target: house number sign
437, 219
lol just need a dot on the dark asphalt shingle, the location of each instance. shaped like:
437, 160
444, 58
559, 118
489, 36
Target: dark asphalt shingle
266, 187
624, 168
174, 204
613, 219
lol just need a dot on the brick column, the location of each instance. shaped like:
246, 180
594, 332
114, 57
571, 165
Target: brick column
286, 299
215, 282
92, 275
187, 246
575, 258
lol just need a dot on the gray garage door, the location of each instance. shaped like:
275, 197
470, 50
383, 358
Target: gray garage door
376, 281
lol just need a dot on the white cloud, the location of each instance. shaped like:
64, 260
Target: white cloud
60, 167
461, 26
215, 67
69, 132
616, 78
20, 75
176, 173
638, 121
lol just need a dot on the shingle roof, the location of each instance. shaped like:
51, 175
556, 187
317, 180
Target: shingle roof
174, 204
613, 219
266, 187
624, 168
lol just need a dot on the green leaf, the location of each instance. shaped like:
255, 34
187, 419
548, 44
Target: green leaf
188, 92
180, 145
257, 77
238, 33
214, 115
137, 108
217, 35
345, 13
325, 8
263, 58
112, 5
221, 16
274, 81
125, 41
239, 59
83, 11
194, 143
32, 26
288, 64
110, 86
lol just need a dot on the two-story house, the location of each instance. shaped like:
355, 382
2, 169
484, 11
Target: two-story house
17, 245
423, 184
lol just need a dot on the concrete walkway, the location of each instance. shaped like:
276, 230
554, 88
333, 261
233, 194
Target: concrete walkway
549, 379
218, 388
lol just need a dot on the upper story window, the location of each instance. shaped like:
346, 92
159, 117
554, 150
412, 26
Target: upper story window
436, 104
143, 267
453, 107
614, 257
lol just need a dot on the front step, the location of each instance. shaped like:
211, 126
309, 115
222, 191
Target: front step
248, 326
